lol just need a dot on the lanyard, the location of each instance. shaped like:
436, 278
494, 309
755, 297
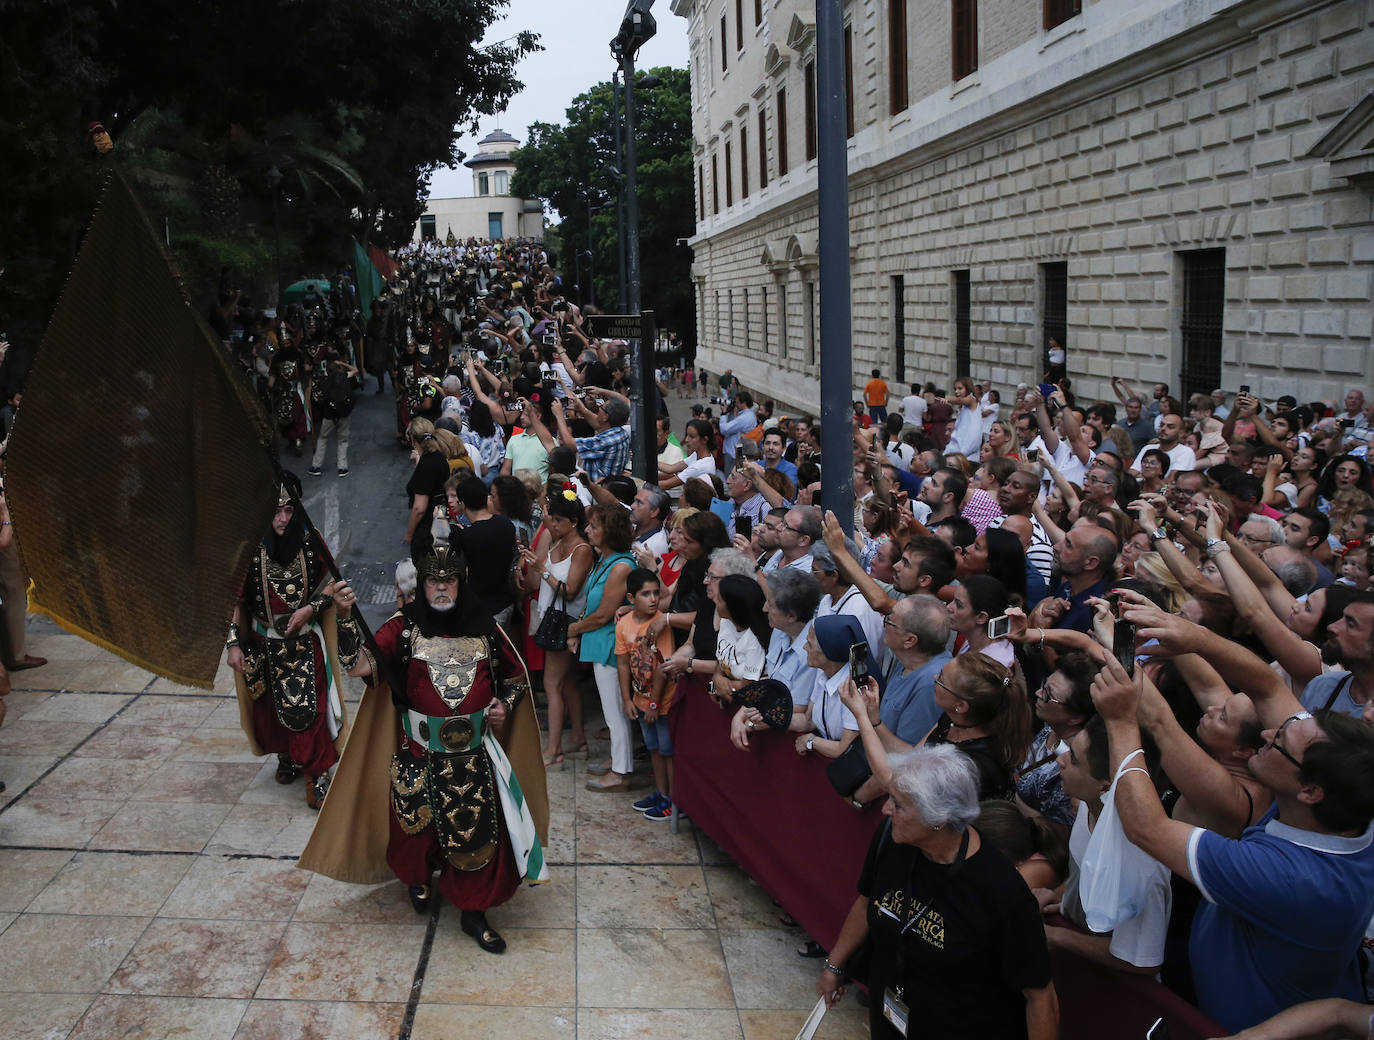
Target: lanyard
920, 912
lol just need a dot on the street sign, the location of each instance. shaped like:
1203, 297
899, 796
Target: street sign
615, 326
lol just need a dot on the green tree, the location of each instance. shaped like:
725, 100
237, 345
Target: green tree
573, 164
355, 102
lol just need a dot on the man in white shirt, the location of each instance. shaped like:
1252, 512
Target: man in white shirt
914, 406
1181, 457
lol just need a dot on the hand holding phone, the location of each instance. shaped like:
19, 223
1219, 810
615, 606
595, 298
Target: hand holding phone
858, 664
1123, 644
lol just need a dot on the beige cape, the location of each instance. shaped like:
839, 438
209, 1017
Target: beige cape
350, 837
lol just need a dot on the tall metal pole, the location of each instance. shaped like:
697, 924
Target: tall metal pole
646, 436
832, 203
619, 191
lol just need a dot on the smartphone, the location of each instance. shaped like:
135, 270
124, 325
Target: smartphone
744, 525
1046, 389
1032, 454
1158, 1031
998, 627
1245, 389
1123, 644
858, 664
1345, 424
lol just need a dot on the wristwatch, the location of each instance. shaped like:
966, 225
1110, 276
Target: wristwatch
1159, 533
810, 743
653, 706
1215, 547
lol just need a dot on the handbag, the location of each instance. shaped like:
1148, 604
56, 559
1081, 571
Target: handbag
552, 633
1114, 882
848, 771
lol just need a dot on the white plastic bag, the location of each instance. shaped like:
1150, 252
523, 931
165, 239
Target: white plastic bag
1115, 875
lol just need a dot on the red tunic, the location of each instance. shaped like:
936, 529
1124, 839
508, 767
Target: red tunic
415, 857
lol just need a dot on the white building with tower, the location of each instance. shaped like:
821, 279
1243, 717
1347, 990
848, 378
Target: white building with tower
491, 211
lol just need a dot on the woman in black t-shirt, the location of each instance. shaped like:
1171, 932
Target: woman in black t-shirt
957, 948
425, 488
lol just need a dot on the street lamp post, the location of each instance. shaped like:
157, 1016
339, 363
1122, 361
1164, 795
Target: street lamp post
832, 206
619, 189
637, 28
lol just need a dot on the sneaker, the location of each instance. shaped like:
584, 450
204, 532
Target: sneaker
649, 801
663, 811
343, 472
315, 471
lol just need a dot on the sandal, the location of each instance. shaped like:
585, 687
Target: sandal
553, 760
623, 784
599, 768
580, 751
29, 661
810, 948
287, 771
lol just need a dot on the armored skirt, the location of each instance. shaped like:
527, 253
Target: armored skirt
454, 801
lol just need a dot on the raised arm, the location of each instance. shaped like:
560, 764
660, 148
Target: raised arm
1215, 799
849, 567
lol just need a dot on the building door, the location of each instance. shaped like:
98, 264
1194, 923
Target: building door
427, 229
1204, 308
493, 225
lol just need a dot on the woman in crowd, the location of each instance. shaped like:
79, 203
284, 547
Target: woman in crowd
986, 716
693, 539
968, 421
1037, 848
1301, 487
929, 875
1063, 705
486, 440
879, 525
1131, 550
832, 725
510, 499
1343, 473
430, 450
742, 630
1154, 469
1002, 442
560, 554
611, 534
972, 605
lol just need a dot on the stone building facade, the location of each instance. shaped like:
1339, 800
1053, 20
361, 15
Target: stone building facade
1177, 190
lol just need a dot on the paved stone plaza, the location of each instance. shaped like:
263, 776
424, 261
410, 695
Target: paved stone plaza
148, 888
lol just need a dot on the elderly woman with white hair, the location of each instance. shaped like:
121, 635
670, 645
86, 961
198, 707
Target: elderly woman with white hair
957, 948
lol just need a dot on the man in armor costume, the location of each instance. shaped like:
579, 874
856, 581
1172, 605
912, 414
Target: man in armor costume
445, 774
289, 411
289, 654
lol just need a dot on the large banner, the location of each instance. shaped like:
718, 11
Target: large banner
138, 474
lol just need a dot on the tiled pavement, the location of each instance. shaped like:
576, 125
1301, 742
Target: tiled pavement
148, 888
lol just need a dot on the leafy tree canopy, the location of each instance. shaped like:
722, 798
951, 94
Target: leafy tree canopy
355, 103
574, 164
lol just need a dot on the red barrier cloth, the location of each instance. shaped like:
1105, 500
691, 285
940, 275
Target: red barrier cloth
772, 810
777, 816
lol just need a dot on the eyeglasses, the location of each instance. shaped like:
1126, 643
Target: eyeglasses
1297, 717
889, 623
1044, 694
712, 577
794, 530
947, 687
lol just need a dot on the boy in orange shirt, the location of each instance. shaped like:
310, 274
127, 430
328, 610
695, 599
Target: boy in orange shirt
644, 687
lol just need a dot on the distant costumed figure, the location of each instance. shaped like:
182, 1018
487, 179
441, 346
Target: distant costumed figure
289, 648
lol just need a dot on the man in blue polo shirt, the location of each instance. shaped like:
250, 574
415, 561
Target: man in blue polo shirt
1285, 906
1086, 557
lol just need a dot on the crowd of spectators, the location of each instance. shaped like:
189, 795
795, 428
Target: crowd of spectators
1125, 640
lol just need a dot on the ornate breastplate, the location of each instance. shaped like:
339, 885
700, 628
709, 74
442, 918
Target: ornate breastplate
452, 663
